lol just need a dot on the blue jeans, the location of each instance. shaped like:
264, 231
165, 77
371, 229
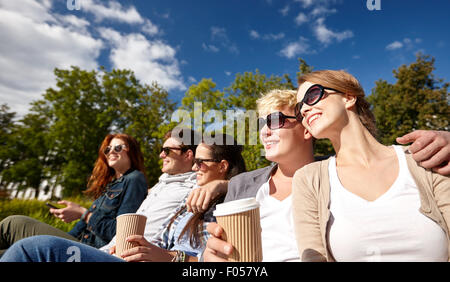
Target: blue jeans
46, 248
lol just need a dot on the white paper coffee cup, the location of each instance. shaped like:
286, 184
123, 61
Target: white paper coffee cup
241, 223
128, 224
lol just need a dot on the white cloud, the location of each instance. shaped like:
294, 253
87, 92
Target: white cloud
192, 80
272, 36
254, 34
269, 36
150, 60
284, 11
228, 73
407, 43
294, 49
210, 48
219, 36
321, 11
305, 3
301, 19
394, 45
326, 35
113, 10
34, 42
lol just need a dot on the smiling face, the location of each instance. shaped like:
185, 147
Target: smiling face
176, 161
281, 144
328, 114
208, 170
118, 161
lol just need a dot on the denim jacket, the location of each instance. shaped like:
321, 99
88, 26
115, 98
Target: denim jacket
123, 195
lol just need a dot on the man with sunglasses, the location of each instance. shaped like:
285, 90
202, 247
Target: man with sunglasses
289, 145
174, 185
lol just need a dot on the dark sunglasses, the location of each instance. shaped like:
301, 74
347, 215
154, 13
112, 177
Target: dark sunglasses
167, 150
312, 96
274, 120
117, 149
199, 162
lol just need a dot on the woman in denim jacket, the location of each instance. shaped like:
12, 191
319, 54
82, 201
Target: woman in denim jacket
118, 184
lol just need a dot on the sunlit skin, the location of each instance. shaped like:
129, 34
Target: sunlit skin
290, 147
176, 162
208, 171
360, 158
120, 162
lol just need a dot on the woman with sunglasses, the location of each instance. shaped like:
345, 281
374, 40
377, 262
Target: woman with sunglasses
369, 202
118, 184
182, 238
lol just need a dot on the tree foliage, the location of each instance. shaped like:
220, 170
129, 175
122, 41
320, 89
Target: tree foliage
417, 100
58, 140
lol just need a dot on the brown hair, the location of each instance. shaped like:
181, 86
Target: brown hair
102, 174
348, 84
178, 134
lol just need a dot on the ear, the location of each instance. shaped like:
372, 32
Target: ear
350, 101
223, 166
189, 155
307, 135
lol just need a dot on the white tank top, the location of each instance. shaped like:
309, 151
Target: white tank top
391, 228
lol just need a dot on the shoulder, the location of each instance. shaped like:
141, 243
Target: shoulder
247, 184
311, 176
135, 175
312, 170
244, 176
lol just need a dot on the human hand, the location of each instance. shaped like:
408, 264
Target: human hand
112, 250
217, 250
145, 251
430, 148
200, 198
71, 212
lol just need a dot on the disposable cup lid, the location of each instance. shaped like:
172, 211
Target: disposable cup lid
135, 214
237, 206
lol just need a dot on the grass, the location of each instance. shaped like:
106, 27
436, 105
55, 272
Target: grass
38, 210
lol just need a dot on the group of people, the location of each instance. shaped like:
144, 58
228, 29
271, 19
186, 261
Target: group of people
369, 202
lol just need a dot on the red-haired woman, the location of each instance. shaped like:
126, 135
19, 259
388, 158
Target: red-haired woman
117, 183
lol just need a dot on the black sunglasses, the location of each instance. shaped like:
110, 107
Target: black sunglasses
199, 162
117, 149
274, 120
312, 96
167, 150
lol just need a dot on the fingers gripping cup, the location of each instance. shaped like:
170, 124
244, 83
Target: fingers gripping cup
241, 223
128, 224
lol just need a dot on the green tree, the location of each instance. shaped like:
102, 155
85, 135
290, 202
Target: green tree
149, 118
417, 100
242, 95
26, 153
61, 136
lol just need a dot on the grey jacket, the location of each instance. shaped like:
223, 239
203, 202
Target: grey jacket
247, 184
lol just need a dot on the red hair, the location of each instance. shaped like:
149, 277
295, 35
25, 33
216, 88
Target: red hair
102, 174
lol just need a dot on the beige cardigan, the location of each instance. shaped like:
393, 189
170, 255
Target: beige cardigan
311, 202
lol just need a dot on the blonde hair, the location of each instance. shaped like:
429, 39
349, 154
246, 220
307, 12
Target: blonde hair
275, 100
348, 84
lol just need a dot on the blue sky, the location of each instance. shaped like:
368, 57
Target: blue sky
179, 42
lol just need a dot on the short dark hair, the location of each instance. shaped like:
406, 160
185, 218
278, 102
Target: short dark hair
188, 138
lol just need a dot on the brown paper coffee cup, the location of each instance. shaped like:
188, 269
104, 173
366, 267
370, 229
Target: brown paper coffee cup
241, 223
128, 224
